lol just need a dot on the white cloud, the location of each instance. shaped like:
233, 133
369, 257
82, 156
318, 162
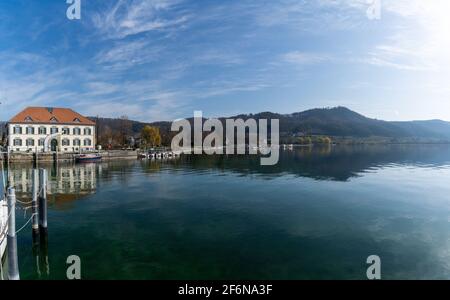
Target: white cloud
304, 58
421, 37
124, 55
128, 18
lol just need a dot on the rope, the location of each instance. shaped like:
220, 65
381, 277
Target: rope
3, 232
24, 202
25, 225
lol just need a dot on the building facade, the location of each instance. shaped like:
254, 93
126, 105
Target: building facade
45, 129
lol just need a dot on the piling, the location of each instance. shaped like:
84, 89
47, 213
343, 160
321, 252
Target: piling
42, 199
34, 201
13, 264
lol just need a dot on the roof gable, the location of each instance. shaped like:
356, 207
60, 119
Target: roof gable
50, 115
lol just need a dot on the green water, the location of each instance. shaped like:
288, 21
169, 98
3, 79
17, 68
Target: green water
318, 214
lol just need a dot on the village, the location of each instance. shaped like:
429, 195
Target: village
49, 134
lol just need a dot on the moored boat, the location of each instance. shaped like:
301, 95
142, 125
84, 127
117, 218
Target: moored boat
3, 228
143, 155
82, 158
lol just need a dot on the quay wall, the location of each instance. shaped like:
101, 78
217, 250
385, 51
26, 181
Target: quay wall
67, 157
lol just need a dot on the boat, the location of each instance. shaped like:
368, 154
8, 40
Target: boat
82, 158
143, 156
3, 228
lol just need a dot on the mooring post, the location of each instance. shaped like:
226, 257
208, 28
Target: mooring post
34, 201
13, 264
42, 199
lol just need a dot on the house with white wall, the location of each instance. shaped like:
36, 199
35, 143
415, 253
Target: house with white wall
49, 129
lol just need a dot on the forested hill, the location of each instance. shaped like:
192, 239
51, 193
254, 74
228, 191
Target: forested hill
339, 121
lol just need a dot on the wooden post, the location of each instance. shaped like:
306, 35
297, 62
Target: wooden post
34, 201
13, 264
42, 199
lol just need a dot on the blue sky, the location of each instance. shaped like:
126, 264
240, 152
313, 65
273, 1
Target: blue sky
162, 59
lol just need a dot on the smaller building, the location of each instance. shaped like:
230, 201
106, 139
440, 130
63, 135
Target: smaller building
48, 129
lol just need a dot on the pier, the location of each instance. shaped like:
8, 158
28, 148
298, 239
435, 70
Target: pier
24, 157
9, 260
159, 153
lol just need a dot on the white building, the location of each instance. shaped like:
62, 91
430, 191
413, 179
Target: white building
50, 129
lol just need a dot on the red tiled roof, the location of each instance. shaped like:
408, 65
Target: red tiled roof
50, 115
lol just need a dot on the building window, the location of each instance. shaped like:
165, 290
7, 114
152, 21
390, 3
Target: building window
76, 142
87, 142
66, 131
30, 142
76, 120
41, 142
28, 119
76, 131
54, 130
30, 130
42, 130
65, 142
54, 120
17, 130
87, 131
17, 142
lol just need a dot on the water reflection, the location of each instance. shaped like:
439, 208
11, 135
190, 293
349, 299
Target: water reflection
70, 182
66, 183
201, 217
40, 253
337, 163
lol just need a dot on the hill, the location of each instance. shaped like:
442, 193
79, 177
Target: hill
336, 122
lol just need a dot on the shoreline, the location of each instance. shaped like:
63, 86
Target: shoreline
67, 157
18, 158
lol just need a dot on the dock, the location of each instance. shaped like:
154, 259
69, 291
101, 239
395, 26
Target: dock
23, 157
158, 153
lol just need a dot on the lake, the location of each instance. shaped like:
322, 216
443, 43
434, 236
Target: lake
318, 214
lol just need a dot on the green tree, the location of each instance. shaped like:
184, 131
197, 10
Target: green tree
150, 136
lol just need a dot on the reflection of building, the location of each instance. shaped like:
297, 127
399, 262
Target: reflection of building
50, 129
66, 183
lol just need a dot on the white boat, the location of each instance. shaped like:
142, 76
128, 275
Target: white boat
3, 228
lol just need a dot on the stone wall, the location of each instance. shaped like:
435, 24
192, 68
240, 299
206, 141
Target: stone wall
68, 157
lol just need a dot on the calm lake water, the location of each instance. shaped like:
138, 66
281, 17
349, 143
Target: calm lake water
318, 214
